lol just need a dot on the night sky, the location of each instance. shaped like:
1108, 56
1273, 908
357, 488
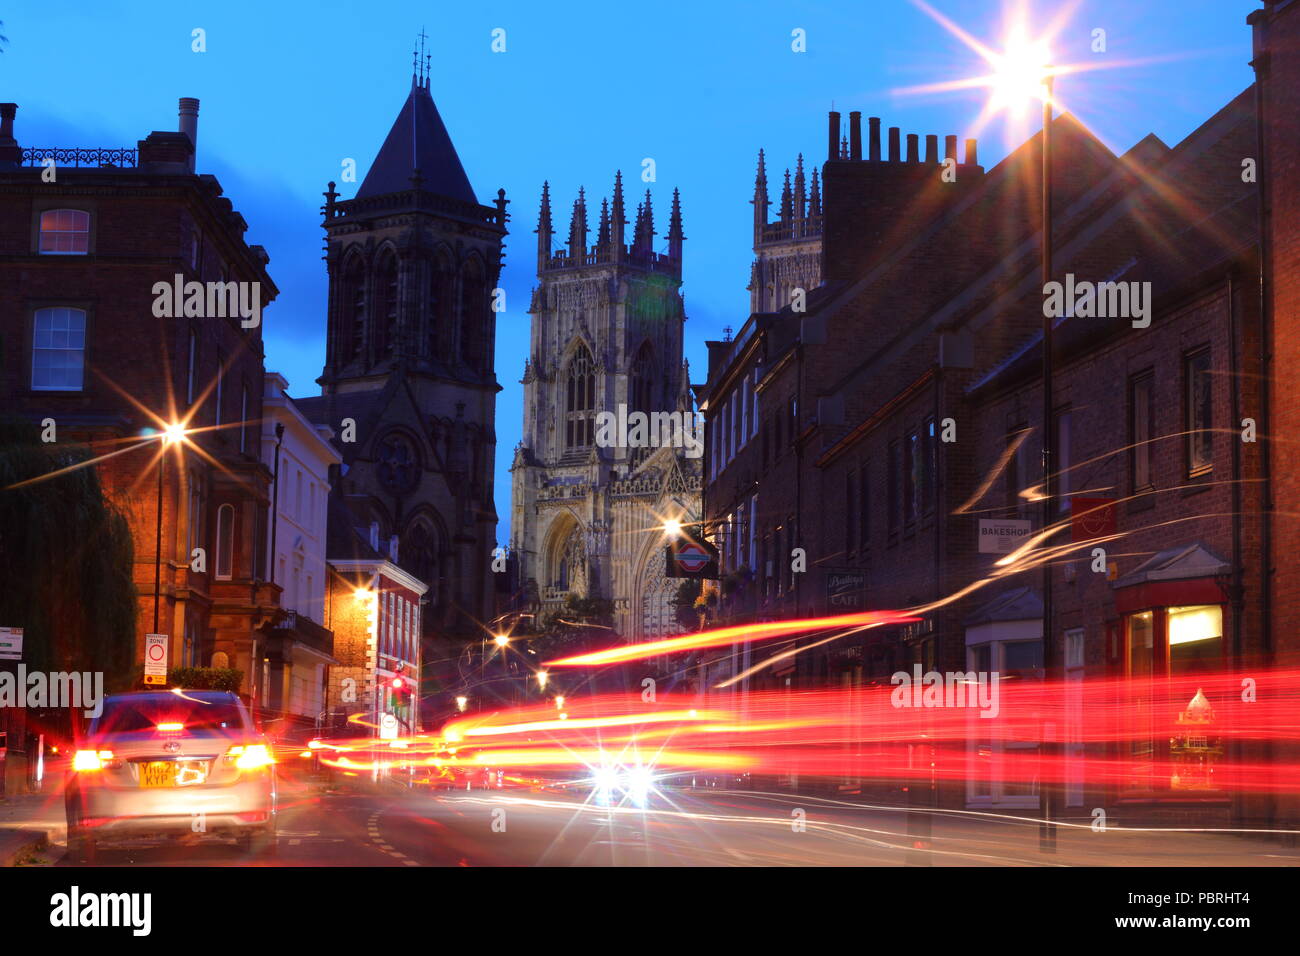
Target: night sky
583, 89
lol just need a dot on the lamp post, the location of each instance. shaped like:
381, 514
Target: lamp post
169, 436
1046, 803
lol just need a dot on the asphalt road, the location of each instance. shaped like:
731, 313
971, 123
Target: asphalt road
517, 827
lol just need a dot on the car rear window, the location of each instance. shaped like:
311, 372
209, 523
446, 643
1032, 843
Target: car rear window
135, 714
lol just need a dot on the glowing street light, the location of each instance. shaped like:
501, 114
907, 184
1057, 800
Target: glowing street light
559, 703
501, 639
673, 528
461, 703
171, 434
542, 677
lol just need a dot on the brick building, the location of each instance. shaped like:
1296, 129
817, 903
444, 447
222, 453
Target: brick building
85, 236
900, 415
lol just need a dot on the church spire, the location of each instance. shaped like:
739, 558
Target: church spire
602, 237
617, 220
815, 196
544, 228
799, 196
675, 237
760, 200
787, 201
578, 227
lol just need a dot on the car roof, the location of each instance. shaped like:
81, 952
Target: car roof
207, 696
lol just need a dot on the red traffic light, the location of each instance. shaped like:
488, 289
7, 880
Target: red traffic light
397, 683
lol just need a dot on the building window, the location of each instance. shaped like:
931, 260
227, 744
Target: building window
864, 507
189, 376
221, 375
1061, 460
895, 485
58, 349
65, 232
1199, 417
1018, 468
639, 398
194, 536
929, 466
850, 512
580, 400
1142, 417
386, 286
226, 542
354, 306
913, 480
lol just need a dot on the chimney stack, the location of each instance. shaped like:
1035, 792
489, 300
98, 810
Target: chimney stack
10, 152
894, 155
875, 139
833, 139
855, 135
189, 122
971, 159
912, 155
7, 111
950, 148
931, 148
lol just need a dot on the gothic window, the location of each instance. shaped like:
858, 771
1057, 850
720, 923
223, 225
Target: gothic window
353, 326
472, 315
420, 556
640, 385
398, 465
579, 400
386, 305
569, 569
435, 296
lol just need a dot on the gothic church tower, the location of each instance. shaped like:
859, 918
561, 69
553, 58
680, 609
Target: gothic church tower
413, 261
607, 325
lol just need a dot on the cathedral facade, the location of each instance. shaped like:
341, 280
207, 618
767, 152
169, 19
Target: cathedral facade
588, 510
409, 385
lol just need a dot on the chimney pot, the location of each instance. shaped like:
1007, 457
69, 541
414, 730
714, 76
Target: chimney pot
931, 148
950, 147
893, 144
833, 138
855, 135
913, 156
189, 120
971, 155
875, 139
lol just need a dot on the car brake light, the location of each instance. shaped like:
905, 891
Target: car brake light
91, 760
170, 728
250, 757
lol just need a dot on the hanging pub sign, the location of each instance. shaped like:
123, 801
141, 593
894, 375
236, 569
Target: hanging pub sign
1092, 518
690, 556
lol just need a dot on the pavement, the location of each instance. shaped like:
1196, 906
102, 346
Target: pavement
397, 827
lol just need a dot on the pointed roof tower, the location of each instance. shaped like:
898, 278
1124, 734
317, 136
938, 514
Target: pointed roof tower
544, 230
602, 237
815, 196
675, 237
578, 226
418, 142
616, 218
760, 200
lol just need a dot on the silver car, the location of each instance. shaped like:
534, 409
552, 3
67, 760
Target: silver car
170, 763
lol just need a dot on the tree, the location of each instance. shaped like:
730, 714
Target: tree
686, 612
581, 624
66, 559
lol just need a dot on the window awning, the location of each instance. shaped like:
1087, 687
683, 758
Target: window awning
1183, 575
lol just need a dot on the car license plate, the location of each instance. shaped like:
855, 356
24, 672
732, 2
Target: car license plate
158, 773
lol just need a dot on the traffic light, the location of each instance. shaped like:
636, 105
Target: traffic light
401, 689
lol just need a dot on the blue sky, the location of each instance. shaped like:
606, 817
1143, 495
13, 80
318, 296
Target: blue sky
289, 91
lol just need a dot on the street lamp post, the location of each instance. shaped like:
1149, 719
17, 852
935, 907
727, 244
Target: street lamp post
157, 563
1047, 825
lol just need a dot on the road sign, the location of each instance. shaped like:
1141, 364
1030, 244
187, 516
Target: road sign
690, 557
388, 727
1002, 536
155, 659
11, 643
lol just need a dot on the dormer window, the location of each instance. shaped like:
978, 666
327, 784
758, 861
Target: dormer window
65, 232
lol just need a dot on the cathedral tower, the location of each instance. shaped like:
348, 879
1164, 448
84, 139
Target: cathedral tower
413, 262
607, 324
